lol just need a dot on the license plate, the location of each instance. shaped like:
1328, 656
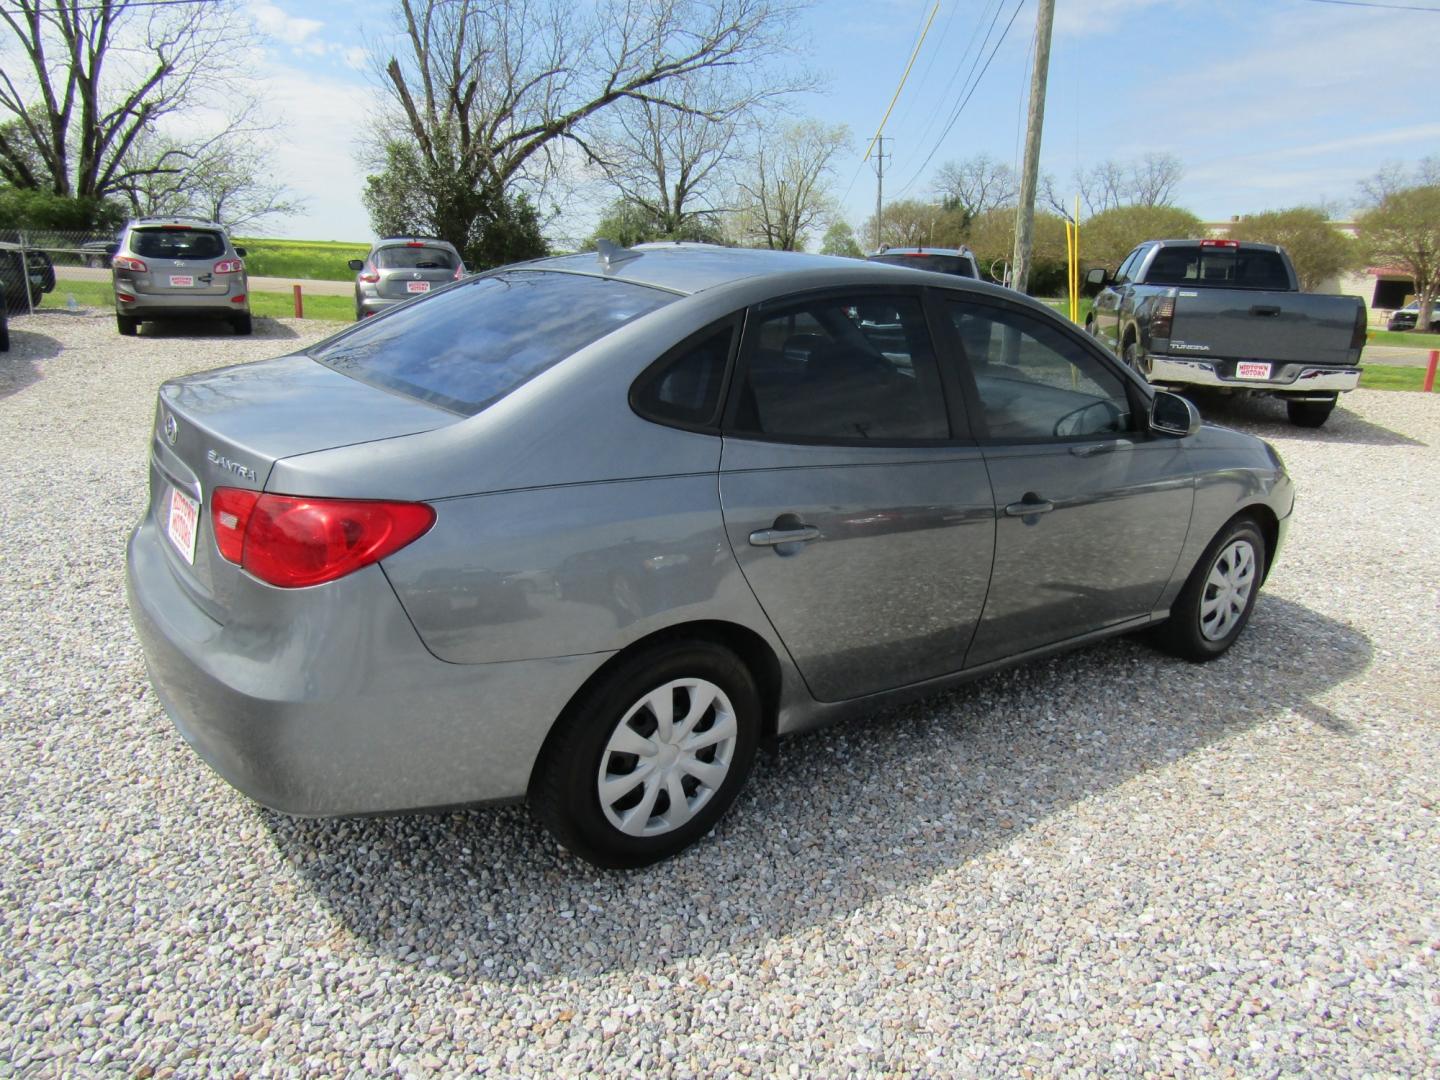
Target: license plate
1251, 370
181, 523
181, 281
417, 286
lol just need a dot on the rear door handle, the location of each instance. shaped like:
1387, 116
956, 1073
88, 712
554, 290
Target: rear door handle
1031, 504
772, 537
1264, 309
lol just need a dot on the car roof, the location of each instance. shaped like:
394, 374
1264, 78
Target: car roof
402, 241
691, 268
921, 251
192, 222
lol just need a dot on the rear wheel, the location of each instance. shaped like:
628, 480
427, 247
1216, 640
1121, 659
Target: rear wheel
648, 759
243, 323
4, 334
1309, 413
1215, 604
128, 325
1134, 358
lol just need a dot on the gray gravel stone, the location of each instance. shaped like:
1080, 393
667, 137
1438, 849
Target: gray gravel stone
1108, 863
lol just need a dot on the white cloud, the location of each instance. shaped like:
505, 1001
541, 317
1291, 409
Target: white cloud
284, 27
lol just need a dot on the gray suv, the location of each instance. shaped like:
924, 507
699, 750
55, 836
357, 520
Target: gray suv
958, 261
400, 268
178, 268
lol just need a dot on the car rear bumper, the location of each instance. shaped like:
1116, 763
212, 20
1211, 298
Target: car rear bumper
1289, 379
340, 709
180, 306
373, 305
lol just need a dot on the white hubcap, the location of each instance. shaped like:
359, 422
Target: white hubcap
667, 757
1227, 590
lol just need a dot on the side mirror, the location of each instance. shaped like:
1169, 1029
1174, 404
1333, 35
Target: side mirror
356, 264
240, 251
1095, 280
113, 249
1171, 414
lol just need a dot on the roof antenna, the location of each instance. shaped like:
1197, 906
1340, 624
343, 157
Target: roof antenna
612, 254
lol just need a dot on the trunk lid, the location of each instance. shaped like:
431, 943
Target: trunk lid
1256, 324
178, 261
228, 427
413, 269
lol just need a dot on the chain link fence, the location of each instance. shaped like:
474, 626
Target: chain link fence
32, 260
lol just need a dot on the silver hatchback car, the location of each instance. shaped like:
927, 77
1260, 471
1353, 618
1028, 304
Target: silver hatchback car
400, 268
589, 530
178, 268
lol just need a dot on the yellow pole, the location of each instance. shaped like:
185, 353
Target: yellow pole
1075, 292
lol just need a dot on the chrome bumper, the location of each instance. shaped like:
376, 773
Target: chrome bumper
1295, 380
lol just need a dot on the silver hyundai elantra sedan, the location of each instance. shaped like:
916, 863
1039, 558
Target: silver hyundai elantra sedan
587, 531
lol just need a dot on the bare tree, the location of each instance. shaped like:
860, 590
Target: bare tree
977, 184
1153, 180
80, 108
785, 190
488, 92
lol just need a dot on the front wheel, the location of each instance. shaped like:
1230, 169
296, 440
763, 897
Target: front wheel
1215, 604
648, 759
1309, 413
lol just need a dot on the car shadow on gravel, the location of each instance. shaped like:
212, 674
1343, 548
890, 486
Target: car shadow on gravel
829, 823
20, 366
207, 328
1267, 418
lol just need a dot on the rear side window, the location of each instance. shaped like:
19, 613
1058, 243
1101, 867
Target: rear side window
684, 387
1235, 268
415, 258
471, 344
177, 243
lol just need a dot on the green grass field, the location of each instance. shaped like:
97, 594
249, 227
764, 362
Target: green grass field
1405, 338
97, 294
1391, 377
321, 259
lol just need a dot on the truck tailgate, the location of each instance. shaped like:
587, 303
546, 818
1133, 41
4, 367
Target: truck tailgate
1252, 324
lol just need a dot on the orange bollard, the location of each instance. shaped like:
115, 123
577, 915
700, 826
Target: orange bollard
1430, 371
299, 304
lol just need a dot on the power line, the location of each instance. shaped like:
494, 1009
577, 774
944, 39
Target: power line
1376, 4
117, 6
955, 116
916, 52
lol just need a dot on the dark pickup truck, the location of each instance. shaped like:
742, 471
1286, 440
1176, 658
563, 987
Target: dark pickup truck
1229, 316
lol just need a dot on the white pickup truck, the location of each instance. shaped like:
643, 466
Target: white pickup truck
1229, 316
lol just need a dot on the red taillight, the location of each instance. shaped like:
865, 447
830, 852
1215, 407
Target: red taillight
229, 266
124, 298
238, 299
1220, 243
292, 542
124, 262
1163, 317
1359, 336
459, 272
413, 243
369, 275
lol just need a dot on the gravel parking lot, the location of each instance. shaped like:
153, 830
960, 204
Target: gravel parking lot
1112, 862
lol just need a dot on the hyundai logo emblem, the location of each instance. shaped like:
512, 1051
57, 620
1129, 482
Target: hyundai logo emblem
172, 429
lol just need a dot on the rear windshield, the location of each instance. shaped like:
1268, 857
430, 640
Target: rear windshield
469, 345
1234, 268
940, 264
177, 243
415, 258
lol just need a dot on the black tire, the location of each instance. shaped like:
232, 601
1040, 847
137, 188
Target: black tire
1131, 355
4, 334
1309, 413
564, 791
128, 325
243, 324
1184, 634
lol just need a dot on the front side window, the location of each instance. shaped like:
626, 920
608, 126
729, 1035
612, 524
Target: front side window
471, 344
846, 369
1033, 382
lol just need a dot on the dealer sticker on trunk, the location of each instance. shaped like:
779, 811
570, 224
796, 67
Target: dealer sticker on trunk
418, 286
181, 523
1250, 369
181, 281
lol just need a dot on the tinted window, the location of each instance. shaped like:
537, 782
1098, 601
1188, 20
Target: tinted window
684, 388
943, 264
1236, 268
1033, 382
177, 243
415, 258
473, 343
1129, 266
858, 368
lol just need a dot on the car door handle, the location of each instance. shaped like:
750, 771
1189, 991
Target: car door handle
771, 537
1264, 309
1089, 450
1031, 504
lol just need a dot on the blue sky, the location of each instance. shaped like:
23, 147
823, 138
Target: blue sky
1268, 103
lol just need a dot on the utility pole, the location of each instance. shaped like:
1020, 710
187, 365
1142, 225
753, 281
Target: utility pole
880, 156
1030, 173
